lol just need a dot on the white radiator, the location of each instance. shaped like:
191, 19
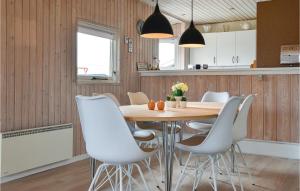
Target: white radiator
27, 149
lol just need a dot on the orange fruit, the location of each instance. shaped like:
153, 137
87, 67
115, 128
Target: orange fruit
151, 105
160, 105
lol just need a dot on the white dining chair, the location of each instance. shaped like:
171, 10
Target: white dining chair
139, 134
137, 98
214, 145
109, 140
240, 133
140, 98
205, 125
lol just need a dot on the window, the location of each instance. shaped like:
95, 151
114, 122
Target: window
97, 53
167, 54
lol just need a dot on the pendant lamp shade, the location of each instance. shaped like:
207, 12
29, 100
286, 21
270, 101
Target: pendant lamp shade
157, 26
191, 38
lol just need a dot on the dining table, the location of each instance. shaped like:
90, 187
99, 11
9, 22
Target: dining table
169, 119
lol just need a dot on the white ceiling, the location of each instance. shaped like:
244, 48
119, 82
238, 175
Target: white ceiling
208, 11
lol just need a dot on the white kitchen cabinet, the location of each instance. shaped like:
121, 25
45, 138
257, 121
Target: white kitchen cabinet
207, 54
226, 48
245, 47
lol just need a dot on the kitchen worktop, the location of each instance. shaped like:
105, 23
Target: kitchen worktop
226, 71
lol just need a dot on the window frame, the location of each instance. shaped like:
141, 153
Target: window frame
90, 28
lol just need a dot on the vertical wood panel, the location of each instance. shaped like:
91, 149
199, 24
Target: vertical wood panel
201, 86
3, 47
25, 64
39, 65
257, 130
222, 83
52, 60
283, 103
45, 72
18, 67
10, 70
57, 80
211, 83
32, 74
63, 61
295, 107
190, 80
156, 89
233, 85
270, 109
245, 89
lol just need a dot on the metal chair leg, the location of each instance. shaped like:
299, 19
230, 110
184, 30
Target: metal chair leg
97, 174
245, 164
232, 158
142, 176
151, 173
212, 161
228, 172
182, 173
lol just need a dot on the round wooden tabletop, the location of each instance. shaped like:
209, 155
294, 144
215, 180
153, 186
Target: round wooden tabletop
193, 111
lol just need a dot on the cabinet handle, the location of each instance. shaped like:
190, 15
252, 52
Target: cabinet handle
237, 59
233, 59
214, 60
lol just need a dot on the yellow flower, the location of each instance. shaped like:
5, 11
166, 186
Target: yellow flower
184, 88
180, 86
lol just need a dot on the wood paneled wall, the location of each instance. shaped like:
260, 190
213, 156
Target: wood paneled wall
274, 114
37, 71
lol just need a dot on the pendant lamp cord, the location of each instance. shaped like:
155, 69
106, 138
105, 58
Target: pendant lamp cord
192, 5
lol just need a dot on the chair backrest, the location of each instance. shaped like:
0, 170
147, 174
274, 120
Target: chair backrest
105, 131
110, 95
221, 97
220, 137
137, 98
241, 121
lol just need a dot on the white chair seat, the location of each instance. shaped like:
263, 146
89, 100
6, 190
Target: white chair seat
203, 127
144, 135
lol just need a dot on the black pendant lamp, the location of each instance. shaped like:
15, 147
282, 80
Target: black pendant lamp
157, 26
191, 38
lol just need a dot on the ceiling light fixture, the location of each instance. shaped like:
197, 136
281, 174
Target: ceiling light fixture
191, 38
157, 26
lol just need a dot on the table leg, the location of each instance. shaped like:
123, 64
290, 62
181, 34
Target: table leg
121, 178
180, 152
169, 146
93, 168
232, 158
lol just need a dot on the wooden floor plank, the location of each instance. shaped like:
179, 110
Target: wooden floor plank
269, 173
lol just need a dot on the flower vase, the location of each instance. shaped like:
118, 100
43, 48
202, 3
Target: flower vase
183, 104
178, 99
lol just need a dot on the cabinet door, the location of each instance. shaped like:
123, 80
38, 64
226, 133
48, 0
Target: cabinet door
207, 54
226, 49
245, 47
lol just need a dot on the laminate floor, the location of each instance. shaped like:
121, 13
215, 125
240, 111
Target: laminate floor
270, 174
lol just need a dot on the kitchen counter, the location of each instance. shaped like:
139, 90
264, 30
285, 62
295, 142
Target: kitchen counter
231, 71
275, 110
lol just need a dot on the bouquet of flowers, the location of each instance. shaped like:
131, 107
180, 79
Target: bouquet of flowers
179, 89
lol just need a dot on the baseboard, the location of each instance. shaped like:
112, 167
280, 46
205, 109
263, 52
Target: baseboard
271, 148
43, 168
